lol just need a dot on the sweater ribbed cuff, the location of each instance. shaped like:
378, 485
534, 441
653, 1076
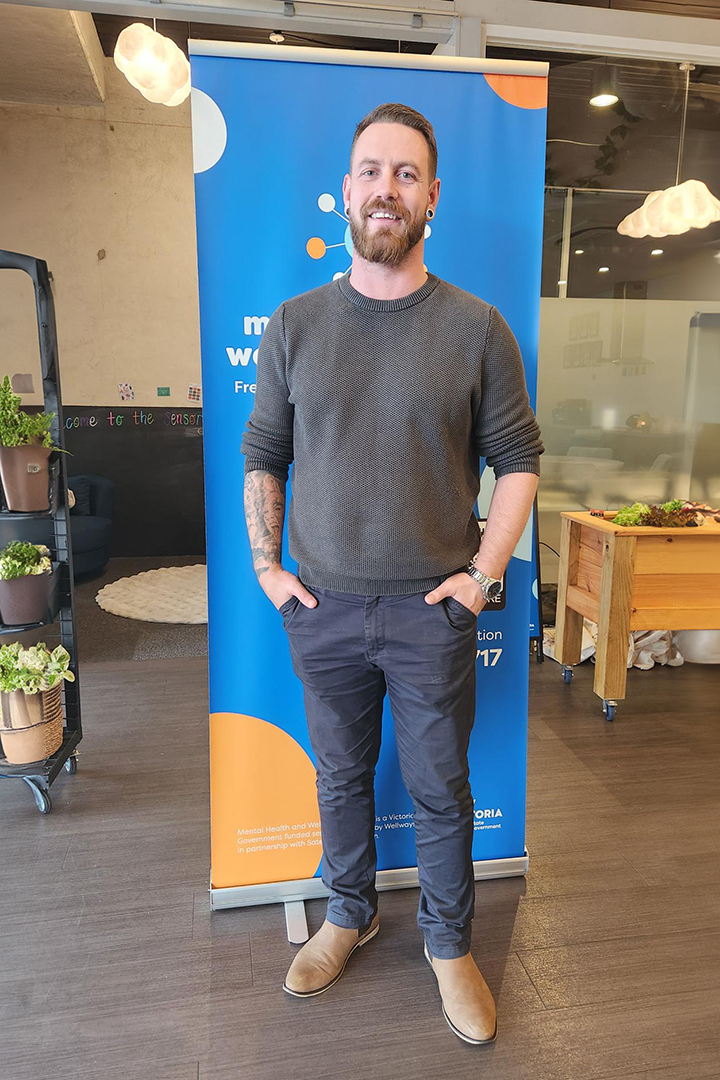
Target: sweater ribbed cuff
258, 465
529, 465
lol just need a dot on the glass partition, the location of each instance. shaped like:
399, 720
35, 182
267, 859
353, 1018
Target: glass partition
628, 395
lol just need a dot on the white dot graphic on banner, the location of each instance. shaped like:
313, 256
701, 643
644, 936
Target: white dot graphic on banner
209, 131
326, 203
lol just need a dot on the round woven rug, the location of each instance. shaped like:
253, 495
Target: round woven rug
173, 594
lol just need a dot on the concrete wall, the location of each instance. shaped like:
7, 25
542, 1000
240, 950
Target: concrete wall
104, 195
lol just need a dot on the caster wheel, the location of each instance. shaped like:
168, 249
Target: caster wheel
567, 675
42, 797
71, 765
43, 800
609, 708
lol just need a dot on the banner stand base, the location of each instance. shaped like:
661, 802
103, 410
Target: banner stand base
293, 893
296, 921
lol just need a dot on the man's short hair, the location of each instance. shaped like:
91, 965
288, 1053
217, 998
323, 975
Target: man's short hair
395, 113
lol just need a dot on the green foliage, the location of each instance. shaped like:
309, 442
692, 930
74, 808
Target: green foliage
630, 515
17, 428
669, 515
20, 558
33, 669
666, 519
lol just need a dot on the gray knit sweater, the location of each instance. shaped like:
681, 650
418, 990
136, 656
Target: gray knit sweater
385, 407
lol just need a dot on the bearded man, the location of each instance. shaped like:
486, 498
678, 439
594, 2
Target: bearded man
385, 388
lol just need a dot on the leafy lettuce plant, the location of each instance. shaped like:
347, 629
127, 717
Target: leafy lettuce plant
630, 515
21, 558
666, 515
33, 669
18, 428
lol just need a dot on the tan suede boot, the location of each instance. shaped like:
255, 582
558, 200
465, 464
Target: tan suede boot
322, 959
468, 1005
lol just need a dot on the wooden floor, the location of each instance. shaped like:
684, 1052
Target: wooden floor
604, 960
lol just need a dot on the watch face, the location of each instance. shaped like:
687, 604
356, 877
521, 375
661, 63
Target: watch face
494, 590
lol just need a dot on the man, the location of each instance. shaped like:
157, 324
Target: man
384, 388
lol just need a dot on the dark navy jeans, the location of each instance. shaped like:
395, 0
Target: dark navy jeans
348, 652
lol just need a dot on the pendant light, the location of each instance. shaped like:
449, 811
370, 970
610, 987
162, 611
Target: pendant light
153, 64
676, 209
603, 87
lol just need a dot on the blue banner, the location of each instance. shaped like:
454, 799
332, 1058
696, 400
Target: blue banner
271, 143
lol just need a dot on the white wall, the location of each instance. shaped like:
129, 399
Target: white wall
105, 195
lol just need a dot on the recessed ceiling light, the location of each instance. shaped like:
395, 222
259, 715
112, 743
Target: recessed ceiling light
656, 251
603, 269
580, 251
276, 37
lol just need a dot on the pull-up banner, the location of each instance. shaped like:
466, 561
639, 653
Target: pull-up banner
272, 128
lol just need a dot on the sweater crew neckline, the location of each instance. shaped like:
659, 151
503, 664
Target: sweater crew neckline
370, 303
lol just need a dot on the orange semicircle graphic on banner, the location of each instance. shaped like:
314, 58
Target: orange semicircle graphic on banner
525, 91
263, 804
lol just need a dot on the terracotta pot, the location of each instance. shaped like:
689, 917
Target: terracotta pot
25, 477
26, 599
31, 725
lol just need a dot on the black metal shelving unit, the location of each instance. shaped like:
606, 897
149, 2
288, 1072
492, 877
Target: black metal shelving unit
40, 774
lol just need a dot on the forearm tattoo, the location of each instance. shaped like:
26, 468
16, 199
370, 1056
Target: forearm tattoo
264, 499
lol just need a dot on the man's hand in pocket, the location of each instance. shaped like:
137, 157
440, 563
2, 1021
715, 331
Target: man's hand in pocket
279, 585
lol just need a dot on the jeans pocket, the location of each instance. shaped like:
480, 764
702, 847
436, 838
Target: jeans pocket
291, 609
287, 607
464, 616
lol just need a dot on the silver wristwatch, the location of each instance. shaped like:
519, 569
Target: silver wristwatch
491, 587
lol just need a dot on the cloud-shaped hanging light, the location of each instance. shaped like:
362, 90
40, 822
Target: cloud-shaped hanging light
673, 211
153, 64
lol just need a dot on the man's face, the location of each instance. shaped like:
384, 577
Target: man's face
388, 191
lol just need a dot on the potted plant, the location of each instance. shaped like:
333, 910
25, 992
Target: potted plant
25, 448
31, 714
26, 580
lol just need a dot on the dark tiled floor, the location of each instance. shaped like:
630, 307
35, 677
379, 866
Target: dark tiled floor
103, 636
604, 960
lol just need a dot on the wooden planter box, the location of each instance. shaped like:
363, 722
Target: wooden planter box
632, 579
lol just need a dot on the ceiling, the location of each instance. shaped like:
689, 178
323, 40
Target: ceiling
49, 56
689, 9
109, 26
56, 56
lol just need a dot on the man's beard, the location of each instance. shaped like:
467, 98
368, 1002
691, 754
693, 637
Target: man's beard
389, 245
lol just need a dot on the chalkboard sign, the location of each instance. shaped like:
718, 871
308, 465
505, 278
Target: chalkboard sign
154, 457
